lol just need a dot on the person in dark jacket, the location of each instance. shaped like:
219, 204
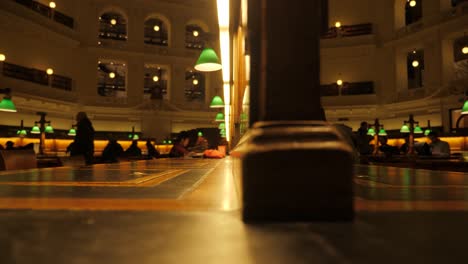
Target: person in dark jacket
84, 139
112, 151
152, 151
133, 150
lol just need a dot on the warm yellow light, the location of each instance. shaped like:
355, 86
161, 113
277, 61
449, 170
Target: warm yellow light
415, 63
52, 5
244, 10
156, 28
113, 21
412, 3
195, 33
112, 75
2, 57
195, 81
338, 24
339, 82
464, 50
223, 13
50, 71
155, 78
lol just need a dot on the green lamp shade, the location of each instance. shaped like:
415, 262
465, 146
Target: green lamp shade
135, 137
243, 116
164, 141
208, 61
464, 110
382, 132
418, 130
404, 129
7, 105
22, 132
223, 135
219, 117
130, 136
222, 131
222, 126
200, 134
217, 102
72, 132
35, 130
371, 132
49, 129
427, 131
169, 142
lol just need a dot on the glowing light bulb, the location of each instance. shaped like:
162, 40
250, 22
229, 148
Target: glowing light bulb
2, 57
338, 24
113, 21
464, 50
195, 81
112, 75
339, 82
415, 63
155, 78
412, 3
52, 5
50, 71
156, 28
195, 33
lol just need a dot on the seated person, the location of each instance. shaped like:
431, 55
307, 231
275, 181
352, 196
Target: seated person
439, 148
152, 151
179, 149
133, 150
385, 148
9, 145
200, 146
112, 151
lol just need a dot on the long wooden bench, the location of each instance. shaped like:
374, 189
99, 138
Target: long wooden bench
17, 159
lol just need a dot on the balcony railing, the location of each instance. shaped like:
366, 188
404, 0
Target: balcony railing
47, 12
36, 76
349, 31
348, 88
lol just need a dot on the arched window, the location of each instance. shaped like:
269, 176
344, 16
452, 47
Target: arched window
194, 86
156, 32
413, 11
460, 49
155, 82
194, 37
112, 25
112, 79
457, 2
415, 67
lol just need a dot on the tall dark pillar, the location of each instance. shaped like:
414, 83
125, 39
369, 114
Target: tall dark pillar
285, 61
294, 167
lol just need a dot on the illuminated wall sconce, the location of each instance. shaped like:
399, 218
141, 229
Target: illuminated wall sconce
195, 82
155, 78
337, 24
113, 21
156, 28
195, 33
49, 71
415, 63
412, 3
111, 75
52, 5
2, 57
339, 82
